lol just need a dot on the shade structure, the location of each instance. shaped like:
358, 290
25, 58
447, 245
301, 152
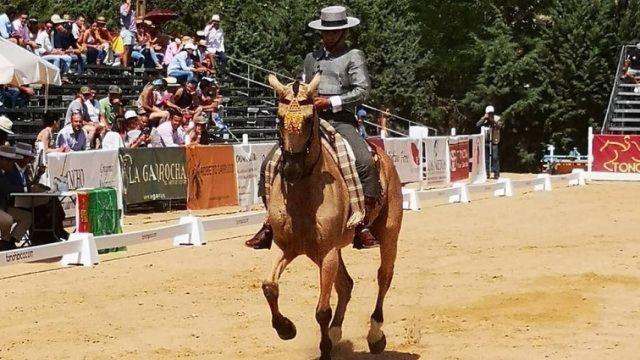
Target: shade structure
18, 66
160, 15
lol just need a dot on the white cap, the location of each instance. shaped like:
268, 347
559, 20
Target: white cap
489, 110
130, 114
215, 17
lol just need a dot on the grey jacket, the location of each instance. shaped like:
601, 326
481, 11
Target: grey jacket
344, 75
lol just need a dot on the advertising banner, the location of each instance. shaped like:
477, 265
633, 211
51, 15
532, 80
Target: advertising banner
211, 177
405, 154
85, 169
150, 174
459, 155
476, 157
248, 159
436, 152
616, 153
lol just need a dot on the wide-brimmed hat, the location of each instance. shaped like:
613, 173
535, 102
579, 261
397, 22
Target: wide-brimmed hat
25, 149
56, 19
6, 124
67, 18
8, 152
334, 18
200, 33
101, 20
215, 17
199, 120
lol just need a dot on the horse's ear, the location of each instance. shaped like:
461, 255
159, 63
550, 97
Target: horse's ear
276, 84
313, 85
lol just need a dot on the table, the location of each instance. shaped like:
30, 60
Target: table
32, 200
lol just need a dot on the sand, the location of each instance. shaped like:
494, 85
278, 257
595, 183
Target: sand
541, 275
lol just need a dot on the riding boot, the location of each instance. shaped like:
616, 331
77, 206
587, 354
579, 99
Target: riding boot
363, 238
261, 240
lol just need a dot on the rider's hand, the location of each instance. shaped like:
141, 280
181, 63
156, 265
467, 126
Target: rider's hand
321, 103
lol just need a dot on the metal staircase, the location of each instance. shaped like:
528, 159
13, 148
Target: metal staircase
623, 112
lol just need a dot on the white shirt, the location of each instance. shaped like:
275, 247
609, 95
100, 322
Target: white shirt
44, 41
75, 31
93, 110
215, 39
21, 30
112, 141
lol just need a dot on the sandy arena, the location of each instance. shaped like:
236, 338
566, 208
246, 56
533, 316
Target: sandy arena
540, 275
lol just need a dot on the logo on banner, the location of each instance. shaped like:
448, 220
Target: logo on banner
626, 155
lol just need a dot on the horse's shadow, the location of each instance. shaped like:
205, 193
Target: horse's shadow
344, 351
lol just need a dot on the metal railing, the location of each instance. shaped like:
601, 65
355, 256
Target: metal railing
249, 74
614, 89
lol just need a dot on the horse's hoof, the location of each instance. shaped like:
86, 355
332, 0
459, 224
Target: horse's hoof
285, 328
335, 334
378, 346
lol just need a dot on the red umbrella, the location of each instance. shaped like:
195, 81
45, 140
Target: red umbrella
160, 15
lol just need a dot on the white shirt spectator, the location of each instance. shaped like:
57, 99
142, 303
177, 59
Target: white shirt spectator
75, 31
93, 110
182, 61
44, 40
21, 30
112, 141
215, 39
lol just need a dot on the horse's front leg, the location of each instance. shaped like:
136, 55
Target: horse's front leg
328, 270
285, 328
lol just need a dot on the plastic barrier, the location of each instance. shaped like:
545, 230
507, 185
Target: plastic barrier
80, 249
541, 183
501, 188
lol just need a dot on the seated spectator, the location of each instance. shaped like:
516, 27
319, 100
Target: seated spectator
181, 66
5, 129
6, 27
111, 106
185, 100
92, 124
144, 46
9, 214
139, 130
103, 36
44, 140
96, 51
154, 46
631, 70
78, 29
198, 134
72, 137
65, 42
118, 137
147, 101
208, 95
46, 50
215, 42
78, 105
173, 48
167, 132
21, 31
15, 97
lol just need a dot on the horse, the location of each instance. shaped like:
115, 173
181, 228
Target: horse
309, 209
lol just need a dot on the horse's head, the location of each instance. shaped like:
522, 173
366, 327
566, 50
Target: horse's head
298, 124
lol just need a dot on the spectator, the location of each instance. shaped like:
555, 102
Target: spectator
8, 213
96, 51
111, 106
140, 131
5, 129
362, 117
147, 101
198, 134
104, 37
63, 40
145, 48
185, 100
72, 137
631, 70
46, 50
492, 140
44, 140
128, 31
208, 96
15, 97
168, 132
78, 29
6, 27
119, 136
173, 48
181, 66
93, 106
78, 105
215, 42
21, 31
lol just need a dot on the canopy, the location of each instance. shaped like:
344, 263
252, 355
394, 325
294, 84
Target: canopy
161, 15
18, 66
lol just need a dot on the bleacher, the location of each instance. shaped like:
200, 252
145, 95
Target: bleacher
246, 110
623, 113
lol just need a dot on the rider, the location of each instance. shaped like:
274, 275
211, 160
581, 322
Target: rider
344, 84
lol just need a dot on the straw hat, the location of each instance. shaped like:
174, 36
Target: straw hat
6, 124
56, 19
215, 18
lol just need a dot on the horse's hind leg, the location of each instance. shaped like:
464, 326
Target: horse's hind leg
386, 228
285, 328
343, 286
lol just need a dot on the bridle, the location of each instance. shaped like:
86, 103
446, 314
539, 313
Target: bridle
294, 114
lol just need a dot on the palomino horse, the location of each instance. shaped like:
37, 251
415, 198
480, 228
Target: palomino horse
308, 211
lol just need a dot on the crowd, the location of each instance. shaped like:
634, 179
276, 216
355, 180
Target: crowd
72, 44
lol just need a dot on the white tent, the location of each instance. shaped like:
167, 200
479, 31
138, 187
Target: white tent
19, 66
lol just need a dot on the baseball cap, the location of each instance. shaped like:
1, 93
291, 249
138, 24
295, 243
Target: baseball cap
215, 17
115, 89
85, 90
130, 114
489, 109
159, 82
362, 113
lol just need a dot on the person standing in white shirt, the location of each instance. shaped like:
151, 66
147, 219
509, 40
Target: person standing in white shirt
215, 42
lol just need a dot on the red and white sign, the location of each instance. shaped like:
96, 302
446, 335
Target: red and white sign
436, 155
459, 155
405, 155
616, 153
